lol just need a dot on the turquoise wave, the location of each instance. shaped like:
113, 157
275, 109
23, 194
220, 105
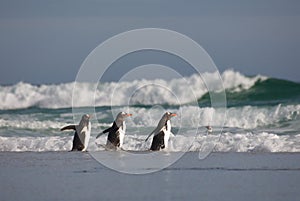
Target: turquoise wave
271, 91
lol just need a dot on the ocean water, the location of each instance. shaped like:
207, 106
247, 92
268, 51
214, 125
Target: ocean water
262, 115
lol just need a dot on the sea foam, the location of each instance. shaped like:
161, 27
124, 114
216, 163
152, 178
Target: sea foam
227, 142
245, 117
173, 92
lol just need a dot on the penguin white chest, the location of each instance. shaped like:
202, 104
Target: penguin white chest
122, 131
84, 135
167, 132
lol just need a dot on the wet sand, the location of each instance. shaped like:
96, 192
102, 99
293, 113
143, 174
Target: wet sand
221, 176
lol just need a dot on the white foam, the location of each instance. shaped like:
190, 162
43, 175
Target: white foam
250, 117
24, 95
246, 117
227, 142
43, 123
30, 124
36, 144
261, 142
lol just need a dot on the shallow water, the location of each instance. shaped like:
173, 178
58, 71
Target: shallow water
221, 176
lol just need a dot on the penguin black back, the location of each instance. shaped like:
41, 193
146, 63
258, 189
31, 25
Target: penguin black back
113, 135
77, 144
158, 142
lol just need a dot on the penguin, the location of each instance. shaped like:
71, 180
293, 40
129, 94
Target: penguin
162, 132
116, 132
209, 129
82, 133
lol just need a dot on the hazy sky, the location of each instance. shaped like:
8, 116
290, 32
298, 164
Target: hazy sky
47, 41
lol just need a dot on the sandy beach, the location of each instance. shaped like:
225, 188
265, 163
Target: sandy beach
221, 176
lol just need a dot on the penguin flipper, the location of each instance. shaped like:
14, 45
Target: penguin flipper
69, 127
106, 130
149, 136
113, 128
155, 132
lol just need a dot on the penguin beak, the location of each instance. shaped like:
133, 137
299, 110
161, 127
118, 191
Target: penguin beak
128, 115
173, 115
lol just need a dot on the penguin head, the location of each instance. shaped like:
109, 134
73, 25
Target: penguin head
166, 117
86, 117
121, 117
169, 115
85, 120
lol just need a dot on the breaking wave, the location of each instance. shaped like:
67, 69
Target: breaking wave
25, 95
